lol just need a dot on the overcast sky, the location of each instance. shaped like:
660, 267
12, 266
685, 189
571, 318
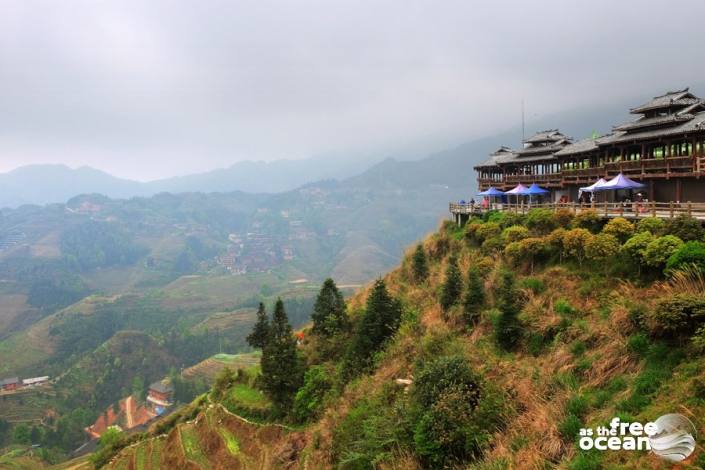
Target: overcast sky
149, 89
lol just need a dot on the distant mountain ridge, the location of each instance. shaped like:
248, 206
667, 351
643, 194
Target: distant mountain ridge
43, 184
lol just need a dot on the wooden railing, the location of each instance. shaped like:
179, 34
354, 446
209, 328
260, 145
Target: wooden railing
663, 210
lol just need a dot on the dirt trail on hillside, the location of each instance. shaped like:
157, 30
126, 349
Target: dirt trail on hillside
128, 413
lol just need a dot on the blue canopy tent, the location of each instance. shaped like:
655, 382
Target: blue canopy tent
491, 192
535, 190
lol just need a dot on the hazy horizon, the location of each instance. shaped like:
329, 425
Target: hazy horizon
149, 91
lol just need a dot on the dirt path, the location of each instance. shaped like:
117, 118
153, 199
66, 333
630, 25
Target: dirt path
128, 413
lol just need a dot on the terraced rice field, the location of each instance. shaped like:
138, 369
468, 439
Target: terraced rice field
24, 407
209, 369
192, 447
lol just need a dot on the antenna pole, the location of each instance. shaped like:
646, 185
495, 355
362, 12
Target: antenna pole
523, 134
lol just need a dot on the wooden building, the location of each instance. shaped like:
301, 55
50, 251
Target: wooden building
160, 395
663, 147
11, 384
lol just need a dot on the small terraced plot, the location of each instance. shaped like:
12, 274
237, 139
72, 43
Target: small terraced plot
192, 447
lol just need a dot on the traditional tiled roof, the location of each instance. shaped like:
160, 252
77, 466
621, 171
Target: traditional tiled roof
653, 121
678, 98
550, 135
10, 381
161, 387
584, 145
501, 155
696, 124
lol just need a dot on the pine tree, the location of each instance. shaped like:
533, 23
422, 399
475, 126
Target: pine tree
282, 371
453, 285
379, 322
260, 331
474, 297
508, 327
419, 265
329, 315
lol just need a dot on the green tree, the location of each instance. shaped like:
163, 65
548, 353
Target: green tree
508, 328
260, 331
474, 296
660, 249
453, 286
21, 434
310, 398
139, 390
282, 371
329, 314
419, 264
378, 323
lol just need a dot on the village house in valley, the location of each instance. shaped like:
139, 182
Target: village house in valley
160, 396
662, 148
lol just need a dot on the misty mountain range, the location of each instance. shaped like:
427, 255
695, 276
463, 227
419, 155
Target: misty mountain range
42, 184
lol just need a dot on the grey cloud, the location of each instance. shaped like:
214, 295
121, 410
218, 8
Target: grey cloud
151, 89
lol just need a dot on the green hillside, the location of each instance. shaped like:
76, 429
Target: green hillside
514, 332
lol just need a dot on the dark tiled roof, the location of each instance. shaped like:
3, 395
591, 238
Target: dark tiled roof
161, 387
10, 381
697, 124
501, 155
551, 135
584, 145
672, 98
653, 121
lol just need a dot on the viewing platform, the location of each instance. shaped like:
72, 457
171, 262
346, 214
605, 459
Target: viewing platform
632, 210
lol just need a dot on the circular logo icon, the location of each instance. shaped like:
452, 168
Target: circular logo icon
674, 439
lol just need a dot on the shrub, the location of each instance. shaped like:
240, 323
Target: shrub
570, 427
601, 247
690, 254
563, 307
588, 219
620, 228
638, 344
679, 314
563, 217
309, 400
533, 284
456, 419
574, 242
492, 245
484, 265
541, 221
650, 224
527, 249
686, 228
471, 230
488, 230
659, 250
635, 247
443, 375
514, 233
554, 241
506, 219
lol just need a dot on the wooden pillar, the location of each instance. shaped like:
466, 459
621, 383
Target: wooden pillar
651, 190
653, 208
670, 209
679, 189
